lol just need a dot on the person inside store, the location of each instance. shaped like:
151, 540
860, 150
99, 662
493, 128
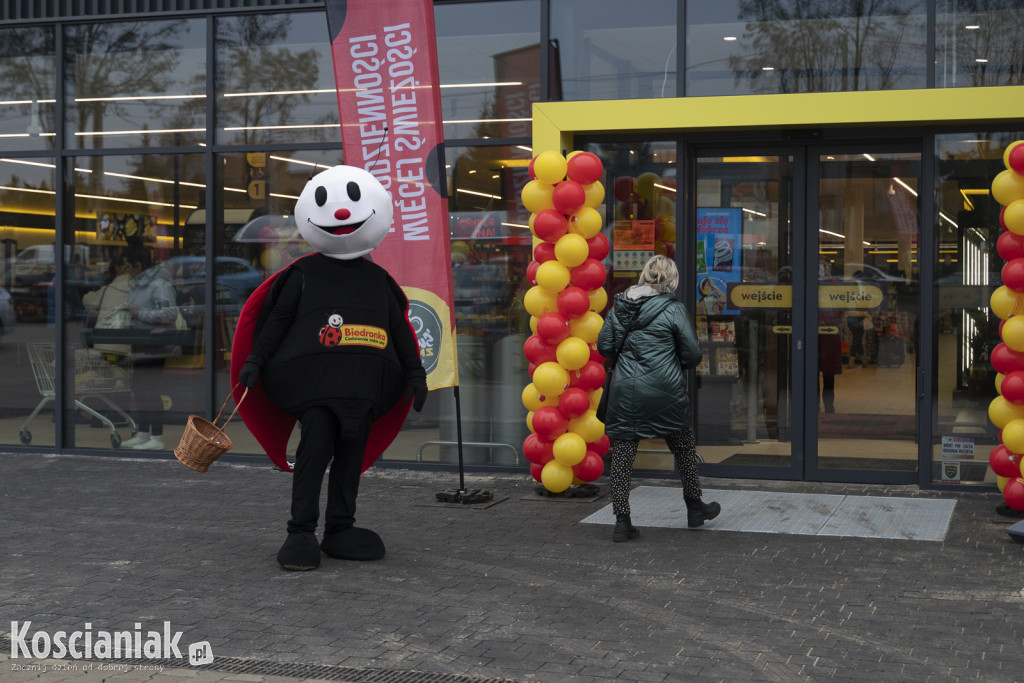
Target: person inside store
830, 344
103, 306
152, 303
650, 339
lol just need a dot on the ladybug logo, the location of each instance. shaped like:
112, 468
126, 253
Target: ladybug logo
330, 334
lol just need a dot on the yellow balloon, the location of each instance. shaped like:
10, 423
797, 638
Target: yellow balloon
645, 185
1001, 412
665, 230
1022, 467
571, 250
529, 421
556, 477
539, 301
1013, 217
1001, 482
552, 276
999, 382
1013, 332
533, 323
585, 222
586, 327
598, 299
1006, 152
1013, 436
550, 167
550, 379
1007, 187
534, 401
1003, 302
595, 398
569, 449
572, 353
666, 208
537, 196
588, 426
594, 193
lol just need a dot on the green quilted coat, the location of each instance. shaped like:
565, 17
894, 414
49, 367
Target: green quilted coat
648, 388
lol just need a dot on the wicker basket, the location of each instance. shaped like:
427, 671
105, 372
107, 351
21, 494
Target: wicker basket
203, 441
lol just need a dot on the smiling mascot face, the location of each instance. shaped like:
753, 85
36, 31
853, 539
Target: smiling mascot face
344, 212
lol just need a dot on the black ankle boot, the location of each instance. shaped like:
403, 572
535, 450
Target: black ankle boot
698, 512
624, 529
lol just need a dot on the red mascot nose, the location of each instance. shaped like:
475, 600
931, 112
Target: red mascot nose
342, 214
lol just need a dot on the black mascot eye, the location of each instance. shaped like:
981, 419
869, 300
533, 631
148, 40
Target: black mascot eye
320, 195
354, 192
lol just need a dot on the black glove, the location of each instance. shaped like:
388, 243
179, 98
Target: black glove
249, 374
417, 390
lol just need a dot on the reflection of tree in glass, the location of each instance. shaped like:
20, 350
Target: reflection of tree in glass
794, 46
117, 60
27, 73
254, 59
989, 53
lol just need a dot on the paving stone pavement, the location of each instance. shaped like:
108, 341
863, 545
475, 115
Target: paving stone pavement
518, 590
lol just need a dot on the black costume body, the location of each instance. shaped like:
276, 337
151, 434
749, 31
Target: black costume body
334, 385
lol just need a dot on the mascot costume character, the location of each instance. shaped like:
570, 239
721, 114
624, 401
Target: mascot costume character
327, 342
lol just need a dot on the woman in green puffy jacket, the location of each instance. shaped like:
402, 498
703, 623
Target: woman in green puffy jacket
649, 337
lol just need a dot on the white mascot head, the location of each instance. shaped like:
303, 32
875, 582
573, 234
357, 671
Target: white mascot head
344, 212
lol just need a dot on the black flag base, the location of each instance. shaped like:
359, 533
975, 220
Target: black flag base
581, 491
465, 497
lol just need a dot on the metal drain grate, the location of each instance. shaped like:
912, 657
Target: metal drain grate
319, 672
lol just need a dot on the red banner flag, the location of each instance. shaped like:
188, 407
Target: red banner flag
385, 68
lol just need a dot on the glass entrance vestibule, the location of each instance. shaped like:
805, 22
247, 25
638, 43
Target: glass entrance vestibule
839, 285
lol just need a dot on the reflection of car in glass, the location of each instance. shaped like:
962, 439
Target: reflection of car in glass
234, 279
6, 312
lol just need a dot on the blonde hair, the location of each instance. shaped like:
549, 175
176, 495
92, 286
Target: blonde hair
660, 273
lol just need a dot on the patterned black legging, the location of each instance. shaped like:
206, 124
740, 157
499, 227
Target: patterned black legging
683, 447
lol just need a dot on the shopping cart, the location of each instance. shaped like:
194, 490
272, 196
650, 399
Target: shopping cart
94, 378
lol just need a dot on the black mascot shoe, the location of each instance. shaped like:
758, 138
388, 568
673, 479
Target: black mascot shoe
300, 552
353, 543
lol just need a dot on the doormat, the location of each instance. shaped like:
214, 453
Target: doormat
771, 512
844, 463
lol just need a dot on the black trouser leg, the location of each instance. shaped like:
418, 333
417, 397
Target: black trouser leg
343, 484
316, 448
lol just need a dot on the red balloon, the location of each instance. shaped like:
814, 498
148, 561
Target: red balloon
588, 378
568, 196
573, 402
584, 168
1010, 246
549, 225
1015, 159
544, 251
549, 423
552, 328
538, 351
1002, 218
1006, 360
1013, 274
591, 467
535, 471
533, 175
589, 275
600, 446
573, 302
538, 450
595, 355
599, 246
531, 367
624, 188
1003, 462
531, 272
1013, 493
1012, 387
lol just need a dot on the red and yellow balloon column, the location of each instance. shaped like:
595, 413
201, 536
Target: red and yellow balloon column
567, 441
1007, 410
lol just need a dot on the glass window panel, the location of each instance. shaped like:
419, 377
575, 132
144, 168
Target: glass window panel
136, 84
489, 63
275, 80
979, 43
28, 83
967, 270
26, 300
742, 48
610, 50
130, 252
